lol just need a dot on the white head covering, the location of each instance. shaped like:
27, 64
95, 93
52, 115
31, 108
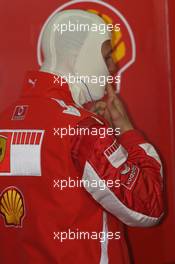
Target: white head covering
76, 52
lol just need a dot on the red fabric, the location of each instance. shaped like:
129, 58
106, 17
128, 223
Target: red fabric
146, 89
47, 209
145, 196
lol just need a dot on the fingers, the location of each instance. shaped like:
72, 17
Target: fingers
108, 117
114, 98
101, 105
118, 103
114, 111
110, 92
99, 108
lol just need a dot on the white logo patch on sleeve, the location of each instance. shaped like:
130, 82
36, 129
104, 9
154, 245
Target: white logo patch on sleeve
129, 175
20, 152
116, 154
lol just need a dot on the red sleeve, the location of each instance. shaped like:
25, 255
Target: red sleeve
123, 174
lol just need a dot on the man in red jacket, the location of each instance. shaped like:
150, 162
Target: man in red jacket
68, 179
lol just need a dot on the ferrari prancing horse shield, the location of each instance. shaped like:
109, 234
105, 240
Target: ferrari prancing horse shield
20, 152
3, 143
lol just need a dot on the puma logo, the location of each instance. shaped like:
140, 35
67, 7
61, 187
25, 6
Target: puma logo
33, 82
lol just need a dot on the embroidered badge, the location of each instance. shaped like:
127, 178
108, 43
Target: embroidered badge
20, 112
12, 207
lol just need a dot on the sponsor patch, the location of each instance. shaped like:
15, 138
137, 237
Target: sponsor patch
12, 207
125, 170
129, 175
20, 112
20, 152
111, 149
116, 154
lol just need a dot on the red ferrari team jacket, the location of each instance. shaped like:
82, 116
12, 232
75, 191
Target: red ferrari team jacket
68, 182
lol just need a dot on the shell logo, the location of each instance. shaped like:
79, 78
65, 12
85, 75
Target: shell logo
12, 207
117, 43
123, 41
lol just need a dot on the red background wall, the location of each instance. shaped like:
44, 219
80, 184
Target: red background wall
147, 89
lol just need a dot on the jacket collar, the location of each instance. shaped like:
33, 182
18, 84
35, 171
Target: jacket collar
43, 84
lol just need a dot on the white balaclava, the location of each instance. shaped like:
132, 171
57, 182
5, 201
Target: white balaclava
76, 52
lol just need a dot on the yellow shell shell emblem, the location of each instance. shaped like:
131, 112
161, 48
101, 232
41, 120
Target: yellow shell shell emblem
12, 206
118, 44
3, 142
